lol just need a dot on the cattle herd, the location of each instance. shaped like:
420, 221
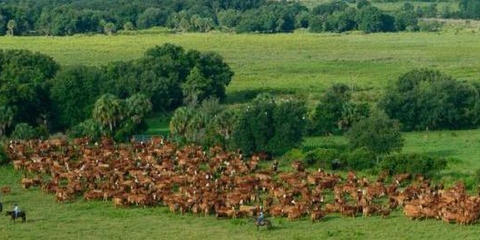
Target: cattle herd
189, 179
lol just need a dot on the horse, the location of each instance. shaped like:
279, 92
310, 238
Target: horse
1, 207
264, 223
21, 215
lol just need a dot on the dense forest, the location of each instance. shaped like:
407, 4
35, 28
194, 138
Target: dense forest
67, 17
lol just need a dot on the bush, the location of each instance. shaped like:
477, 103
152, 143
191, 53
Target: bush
23, 131
428, 99
74, 92
413, 163
359, 159
3, 155
371, 19
24, 85
270, 125
377, 133
336, 112
168, 72
89, 128
324, 158
202, 124
294, 155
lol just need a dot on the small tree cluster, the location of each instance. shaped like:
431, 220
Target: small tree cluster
378, 134
428, 99
115, 117
336, 111
265, 125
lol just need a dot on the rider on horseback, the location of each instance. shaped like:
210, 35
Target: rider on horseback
16, 210
261, 217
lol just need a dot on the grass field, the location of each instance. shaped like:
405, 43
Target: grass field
285, 62
100, 220
301, 63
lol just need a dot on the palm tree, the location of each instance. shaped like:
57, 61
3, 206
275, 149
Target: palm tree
11, 25
109, 110
138, 106
6, 118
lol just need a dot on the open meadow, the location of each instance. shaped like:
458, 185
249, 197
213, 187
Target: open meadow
299, 63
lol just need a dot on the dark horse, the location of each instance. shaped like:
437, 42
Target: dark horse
264, 223
1, 207
21, 215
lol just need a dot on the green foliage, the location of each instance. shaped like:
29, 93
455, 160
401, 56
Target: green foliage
162, 76
288, 124
271, 18
109, 28
406, 19
23, 131
359, 159
323, 158
470, 9
336, 112
152, 17
207, 124
413, 163
377, 133
371, 19
428, 99
128, 26
89, 128
73, 92
11, 27
229, 18
109, 111
270, 125
3, 155
24, 85
138, 107
341, 21
6, 119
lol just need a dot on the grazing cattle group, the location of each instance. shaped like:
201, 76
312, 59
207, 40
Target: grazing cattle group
189, 179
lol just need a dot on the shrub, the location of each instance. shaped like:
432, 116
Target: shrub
294, 154
377, 133
202, 124
336, 112
371, 19
23, 131
413, 163
359, 159
324, 158
89, 128
24, 85
341, 21
3, 155
428, 99
228, 18
270, 125
74, 92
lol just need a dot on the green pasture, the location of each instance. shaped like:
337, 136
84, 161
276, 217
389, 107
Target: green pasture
300, 63
100, 220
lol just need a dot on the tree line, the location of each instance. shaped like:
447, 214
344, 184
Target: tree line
67, 17
37, 95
